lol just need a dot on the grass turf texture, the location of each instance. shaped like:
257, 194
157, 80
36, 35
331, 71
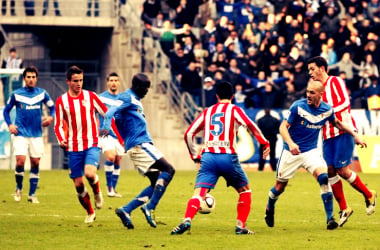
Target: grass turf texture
57, 222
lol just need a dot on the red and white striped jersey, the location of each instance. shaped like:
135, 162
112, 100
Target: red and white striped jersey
220, 124
79, 115
336, 94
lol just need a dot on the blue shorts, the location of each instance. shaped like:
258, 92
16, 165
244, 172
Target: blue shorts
77, 161
338, 151
215, 165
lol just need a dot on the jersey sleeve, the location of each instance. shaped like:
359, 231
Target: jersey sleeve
59, 121
192, 130
343, 102
50, 104
8, 107
242, 118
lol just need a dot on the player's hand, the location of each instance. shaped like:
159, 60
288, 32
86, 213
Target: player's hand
104, 133
294, 149
360, 141
46, 121
63, 144
13, 129
266, 150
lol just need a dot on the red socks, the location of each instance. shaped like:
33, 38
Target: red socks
244, 206
86, 202
193, 206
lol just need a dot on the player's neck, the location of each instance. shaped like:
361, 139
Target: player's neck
74, 94
225, 101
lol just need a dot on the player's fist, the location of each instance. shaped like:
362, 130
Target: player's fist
46, 121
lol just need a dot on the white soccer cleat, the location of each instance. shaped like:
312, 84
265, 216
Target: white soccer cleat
17, 195
90, 218
33, 200
111, 193
99, 200
117, 195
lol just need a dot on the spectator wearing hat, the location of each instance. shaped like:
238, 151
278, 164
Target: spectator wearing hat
209, 91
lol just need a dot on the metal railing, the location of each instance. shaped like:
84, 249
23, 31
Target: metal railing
73, 8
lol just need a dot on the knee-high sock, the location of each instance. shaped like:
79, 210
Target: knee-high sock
108, 169
272, 198
192, 208
94, 183
337, 189
115, 175
326, 194
19, 176
357, 183
33, 180
243, 207
84, 199
159, 189
140, 199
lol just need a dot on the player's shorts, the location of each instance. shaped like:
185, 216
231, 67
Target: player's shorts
214, 166
289, 164
338, 150
32, 145
107, 143
77, 161
144, 156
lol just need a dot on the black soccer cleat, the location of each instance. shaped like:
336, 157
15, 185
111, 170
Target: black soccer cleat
269, 218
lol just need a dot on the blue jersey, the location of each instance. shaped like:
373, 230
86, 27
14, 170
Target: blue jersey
109, 100
306, 122
129, 119
28, 103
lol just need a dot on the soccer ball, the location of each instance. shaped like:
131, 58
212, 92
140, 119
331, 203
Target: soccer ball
207, 205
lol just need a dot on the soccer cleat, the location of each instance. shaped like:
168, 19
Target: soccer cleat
117, 195
332, 224
344, 215
181, 228
149, 215
125, 218
33, 199
90, 218
240, 231
111, 193
17, 195
371, 203
99, 200
269, 218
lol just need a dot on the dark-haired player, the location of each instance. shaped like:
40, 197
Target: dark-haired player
146, 158
27, 129
218, 157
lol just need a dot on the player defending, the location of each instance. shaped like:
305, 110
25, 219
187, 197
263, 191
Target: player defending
77, 109
146, 158
218, 156
27, 129
110, 145
338, 146
300, 131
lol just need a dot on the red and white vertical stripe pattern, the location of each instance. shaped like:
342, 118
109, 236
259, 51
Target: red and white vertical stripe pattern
80, 117
220, 124
336, 94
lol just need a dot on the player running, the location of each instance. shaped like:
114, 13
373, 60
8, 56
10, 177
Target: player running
77, 109
218, 157
146, 158
27, 129
110, 145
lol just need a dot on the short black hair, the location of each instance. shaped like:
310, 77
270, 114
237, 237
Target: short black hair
112, 74
224, 90
319, 61
73, 70
31, 69
12, 50
140, 79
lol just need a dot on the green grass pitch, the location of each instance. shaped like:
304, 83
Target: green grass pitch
57, 222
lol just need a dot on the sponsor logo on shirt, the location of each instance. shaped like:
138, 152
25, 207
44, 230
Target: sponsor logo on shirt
33, 107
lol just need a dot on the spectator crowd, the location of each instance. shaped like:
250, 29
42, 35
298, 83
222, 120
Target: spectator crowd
262, 47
